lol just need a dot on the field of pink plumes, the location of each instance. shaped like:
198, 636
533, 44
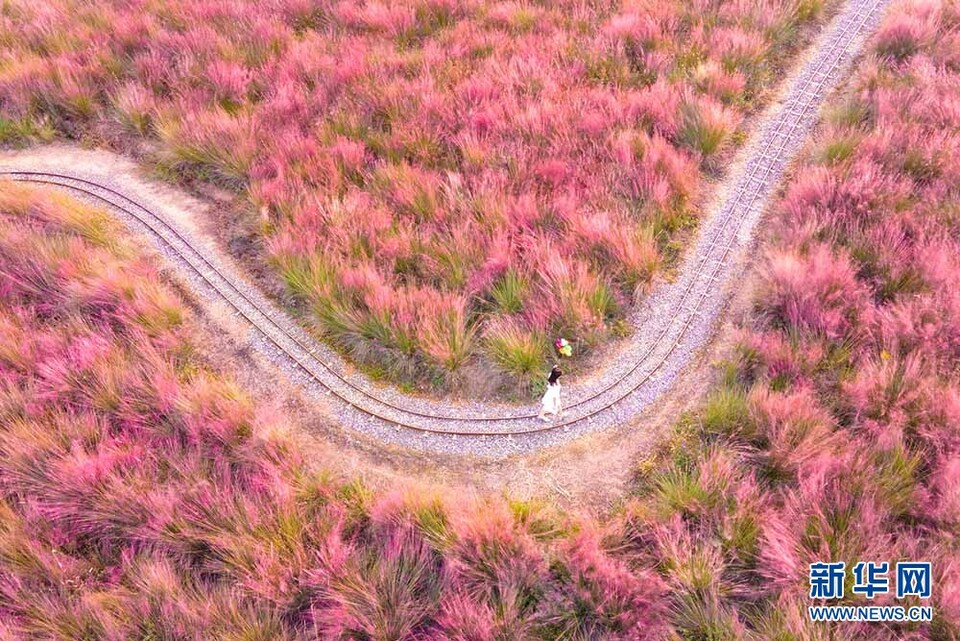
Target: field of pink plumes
144, 495
835, 435
481, 163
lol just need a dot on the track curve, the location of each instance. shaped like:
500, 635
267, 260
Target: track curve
677, 319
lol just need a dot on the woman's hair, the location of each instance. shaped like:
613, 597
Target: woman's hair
555, 374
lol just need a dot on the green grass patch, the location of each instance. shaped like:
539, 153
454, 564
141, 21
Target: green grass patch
727, 412
509, 292
518, 351
24, 131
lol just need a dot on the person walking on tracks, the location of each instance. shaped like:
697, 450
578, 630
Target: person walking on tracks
551, 398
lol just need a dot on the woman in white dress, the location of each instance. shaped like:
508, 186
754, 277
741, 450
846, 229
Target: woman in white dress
551, 398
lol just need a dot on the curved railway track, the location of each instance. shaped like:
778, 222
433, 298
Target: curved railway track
691, 302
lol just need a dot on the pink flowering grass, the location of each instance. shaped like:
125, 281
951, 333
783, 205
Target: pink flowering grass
144, 495
833, 435
435, 147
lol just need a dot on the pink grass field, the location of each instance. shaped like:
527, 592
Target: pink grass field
443, 186
835, 435
144, 496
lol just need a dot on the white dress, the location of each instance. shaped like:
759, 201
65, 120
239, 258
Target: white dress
551, 399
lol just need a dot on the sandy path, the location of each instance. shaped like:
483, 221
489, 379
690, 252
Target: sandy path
672, 325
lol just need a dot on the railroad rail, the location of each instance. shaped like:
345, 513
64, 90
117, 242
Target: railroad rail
767, 157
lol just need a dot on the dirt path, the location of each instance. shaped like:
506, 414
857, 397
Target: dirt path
672, 325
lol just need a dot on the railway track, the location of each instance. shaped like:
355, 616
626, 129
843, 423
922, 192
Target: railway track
686, 307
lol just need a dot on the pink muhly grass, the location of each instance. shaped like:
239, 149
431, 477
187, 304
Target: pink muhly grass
295, 108
738, 48
16, 346
840, 205
464, 619
696, 577
609, 595
948, 580
817, 292
448, 338
665, 172
212, 140
705, 125
638, 255
657, 105
772, 356
822, 520
574, 295
634, 28
182, 471
913, 28
945, 485
228, 81
713, 79
389, 590
940, 411
882, 396
136, 107
797, 432
350, 153
495, 563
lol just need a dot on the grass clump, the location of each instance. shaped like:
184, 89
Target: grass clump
509, 292
517, 351
727, 413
